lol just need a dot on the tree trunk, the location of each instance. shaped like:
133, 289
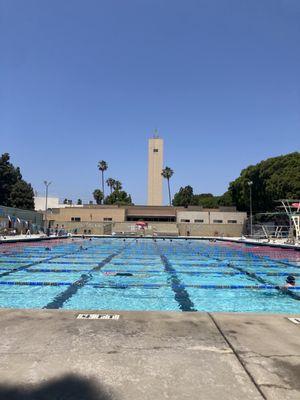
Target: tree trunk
169, 192
103, 186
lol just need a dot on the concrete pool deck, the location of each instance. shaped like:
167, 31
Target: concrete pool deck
49, 354
29, 238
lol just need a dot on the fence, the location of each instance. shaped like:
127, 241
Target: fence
154, 229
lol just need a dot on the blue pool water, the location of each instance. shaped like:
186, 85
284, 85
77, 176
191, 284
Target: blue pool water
146, 274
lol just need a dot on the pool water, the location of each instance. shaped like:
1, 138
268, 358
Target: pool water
147, 274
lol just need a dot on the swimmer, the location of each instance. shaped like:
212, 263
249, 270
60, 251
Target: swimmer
47, 249
290, 281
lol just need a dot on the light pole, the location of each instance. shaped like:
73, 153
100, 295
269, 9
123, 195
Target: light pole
47, 184
250, 183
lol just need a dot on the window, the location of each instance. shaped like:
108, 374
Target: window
232, 221
155, 150
185, 220
75, 219
107, 219
199, 221
218, 221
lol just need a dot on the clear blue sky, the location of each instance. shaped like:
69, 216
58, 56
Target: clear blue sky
88, 80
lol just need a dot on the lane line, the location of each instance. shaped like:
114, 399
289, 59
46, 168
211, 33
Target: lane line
62, 297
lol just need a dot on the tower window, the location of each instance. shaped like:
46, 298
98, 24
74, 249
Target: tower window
155, 150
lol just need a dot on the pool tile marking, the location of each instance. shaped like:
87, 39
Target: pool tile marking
62, 297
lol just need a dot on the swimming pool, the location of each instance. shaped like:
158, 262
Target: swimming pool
146, 274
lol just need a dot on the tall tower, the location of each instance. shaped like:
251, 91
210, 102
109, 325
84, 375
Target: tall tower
155, 166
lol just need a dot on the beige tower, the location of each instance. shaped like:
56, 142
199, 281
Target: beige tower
155, 166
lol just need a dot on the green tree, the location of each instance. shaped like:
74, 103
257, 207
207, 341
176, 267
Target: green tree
167, 173
110, 183
119, 197
22, 196
206, 200
79, 202
226, 199
184, 197
98, 196
14, 191
117, 186
102, 166
273, 179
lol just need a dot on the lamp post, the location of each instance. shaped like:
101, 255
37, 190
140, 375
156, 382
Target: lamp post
250, 183
47, 184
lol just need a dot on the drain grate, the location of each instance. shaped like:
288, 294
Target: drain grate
294, 320
98, 316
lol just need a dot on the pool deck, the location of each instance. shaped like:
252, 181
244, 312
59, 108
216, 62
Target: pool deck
279, 243
29, 238
49, 354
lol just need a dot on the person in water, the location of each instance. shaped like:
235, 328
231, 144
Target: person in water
290, 281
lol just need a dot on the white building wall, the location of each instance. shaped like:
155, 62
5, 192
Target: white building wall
40, 203
191, 216
211, 217
228, 217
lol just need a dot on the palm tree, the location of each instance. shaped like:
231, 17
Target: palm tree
168, 173
117, 186
98, 196
110, 183
102, 166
